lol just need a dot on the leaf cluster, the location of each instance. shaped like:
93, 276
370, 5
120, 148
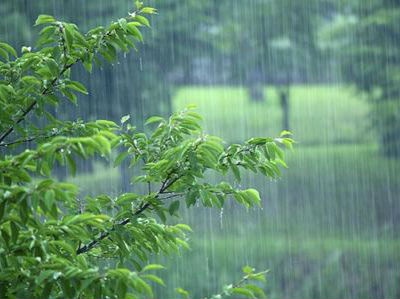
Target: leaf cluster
40, 76
55, 244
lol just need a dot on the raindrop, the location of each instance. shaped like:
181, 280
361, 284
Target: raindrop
221, 214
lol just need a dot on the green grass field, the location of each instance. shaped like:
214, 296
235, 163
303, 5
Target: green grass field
318, 267
318, 114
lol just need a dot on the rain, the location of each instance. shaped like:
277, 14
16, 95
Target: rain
326, 70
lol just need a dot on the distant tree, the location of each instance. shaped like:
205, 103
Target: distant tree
274, 43
367, 37
55, 244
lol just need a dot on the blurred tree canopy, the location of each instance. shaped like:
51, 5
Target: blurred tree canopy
272, 43
367, 35
178, 26
256, 43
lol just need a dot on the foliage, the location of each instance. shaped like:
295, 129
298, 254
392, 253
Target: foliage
280, 40
56, 244
367, 37
178, 29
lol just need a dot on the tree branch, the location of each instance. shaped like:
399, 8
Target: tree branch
52, 83
34, 102
104, 235
164, 186
30, 139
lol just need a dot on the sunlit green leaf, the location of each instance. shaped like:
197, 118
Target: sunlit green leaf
242, 291
43, 19
9, 49
154, 119
125, 118
152, 267
134, 31
77, 86
143, 20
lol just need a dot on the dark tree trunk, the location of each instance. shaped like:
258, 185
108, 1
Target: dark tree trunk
284, 102
390, 144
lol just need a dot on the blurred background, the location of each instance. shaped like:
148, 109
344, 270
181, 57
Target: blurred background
328, 70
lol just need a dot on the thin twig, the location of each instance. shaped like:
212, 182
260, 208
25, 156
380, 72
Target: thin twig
30, 139
105, 234
47, 89
144, 206
34, 102
172, 196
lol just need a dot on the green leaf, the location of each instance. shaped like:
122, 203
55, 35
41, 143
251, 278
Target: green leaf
9, 49
253, 196
285, 133
244, 292
88, 65
14, 231
174, 207
125, 118
122, 22
248, 270
144, 287
191, 198
81, 39
132, 29
257, 291
69, 35
259, 276
183, 292
4, 54
77, 86
148, 10
53, 67
70, 96
43, 19
154, 278
182, 226
44, 275
104, 144
236, 171
106, 123
143, 20
121, 157
47, 35
258, 140
127, 197
23, 175
151, 267
49, 198
154, 119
